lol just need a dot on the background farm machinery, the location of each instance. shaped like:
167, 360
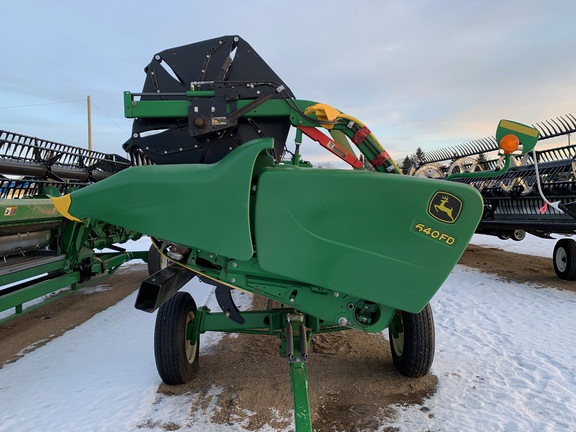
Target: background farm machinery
536, 195
333, 249
41, 251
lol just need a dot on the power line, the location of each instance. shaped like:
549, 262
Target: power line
41, 104
62, 102
112, 121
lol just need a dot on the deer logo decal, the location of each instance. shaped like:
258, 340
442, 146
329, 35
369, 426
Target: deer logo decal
445, 207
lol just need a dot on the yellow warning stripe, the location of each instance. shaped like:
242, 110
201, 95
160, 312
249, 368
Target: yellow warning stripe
62, 204
517, 127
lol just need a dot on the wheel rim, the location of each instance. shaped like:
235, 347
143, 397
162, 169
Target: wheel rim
398, 342
190, 349
519, 234
561, 259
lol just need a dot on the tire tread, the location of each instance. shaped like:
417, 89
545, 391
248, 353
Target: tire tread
169, 337
570, 246
418, 351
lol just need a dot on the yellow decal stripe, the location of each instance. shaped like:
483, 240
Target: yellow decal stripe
516, 127
63, 204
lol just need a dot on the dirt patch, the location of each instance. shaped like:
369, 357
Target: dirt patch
352, 383
33, 329
535, 270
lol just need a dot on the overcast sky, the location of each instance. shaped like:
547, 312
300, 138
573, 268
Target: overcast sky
424, 74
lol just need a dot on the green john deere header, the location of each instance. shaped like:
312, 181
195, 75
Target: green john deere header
226, 200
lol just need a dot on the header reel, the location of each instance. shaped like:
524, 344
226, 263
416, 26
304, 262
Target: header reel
208, 84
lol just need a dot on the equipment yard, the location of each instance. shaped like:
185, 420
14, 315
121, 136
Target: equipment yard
251, 221
504, 361
245, 239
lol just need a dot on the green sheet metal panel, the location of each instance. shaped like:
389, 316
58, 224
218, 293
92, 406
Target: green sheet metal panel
387, 238
20, 210
201, 206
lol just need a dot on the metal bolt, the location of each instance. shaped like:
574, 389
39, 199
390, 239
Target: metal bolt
336, 294
234, 264
342, 322
200, 122
157, 57
135, 135
232, 280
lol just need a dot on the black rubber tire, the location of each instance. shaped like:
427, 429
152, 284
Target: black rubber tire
413, 350
564, 259
504, 235
174, 363
518, 235
156, 261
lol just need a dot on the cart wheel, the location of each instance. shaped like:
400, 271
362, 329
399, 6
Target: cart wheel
176, 359
518, 235
412, 342
503, 235
564, 259
156, 261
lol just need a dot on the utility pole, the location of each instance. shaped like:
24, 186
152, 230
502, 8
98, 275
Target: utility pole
89, 123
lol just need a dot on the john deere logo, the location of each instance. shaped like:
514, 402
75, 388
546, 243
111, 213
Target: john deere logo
445, 207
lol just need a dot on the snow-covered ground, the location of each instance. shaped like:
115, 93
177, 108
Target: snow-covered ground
505, 358
505, 361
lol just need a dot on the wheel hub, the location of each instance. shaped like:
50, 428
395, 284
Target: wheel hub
561, 259
398, 344
190, 349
